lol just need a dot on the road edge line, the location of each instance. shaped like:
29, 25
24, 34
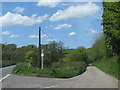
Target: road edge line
52, 86
5, 77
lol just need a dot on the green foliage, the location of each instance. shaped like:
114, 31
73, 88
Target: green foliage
4, 63
53, 52
65, 65
48, 72
76, 55
107, 48
98, 49
103, 59
109, 65
111, 26
29, 57
90, 55
79, 55
12, 53
76, 58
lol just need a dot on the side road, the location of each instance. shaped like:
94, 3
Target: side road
6, 70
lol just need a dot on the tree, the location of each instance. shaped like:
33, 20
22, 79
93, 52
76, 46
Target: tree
29, 57
79, 55
8, 51
111, 26
53, 53
98, 49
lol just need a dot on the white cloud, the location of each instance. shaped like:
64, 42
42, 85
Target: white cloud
34, 36
14, 36
72, 34
48, 3
44, 35
11, 19
51, 40
19, 9
62, 26
93, 31
6, 33
37, 36
78, 11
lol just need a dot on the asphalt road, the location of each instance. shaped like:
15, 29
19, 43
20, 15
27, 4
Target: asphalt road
92, 78
6, 70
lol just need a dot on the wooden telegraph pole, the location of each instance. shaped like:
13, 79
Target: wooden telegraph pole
39, 47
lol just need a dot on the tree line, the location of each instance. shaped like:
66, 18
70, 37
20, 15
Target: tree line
52, 51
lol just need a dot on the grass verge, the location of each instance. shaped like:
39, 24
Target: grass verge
108, 65
22, 69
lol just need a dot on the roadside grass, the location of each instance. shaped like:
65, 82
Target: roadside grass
22, 69
4, 63
108, 65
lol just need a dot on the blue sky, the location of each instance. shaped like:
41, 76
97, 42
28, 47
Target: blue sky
75, 24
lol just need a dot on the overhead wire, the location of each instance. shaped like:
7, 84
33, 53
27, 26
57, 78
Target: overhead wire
49, 36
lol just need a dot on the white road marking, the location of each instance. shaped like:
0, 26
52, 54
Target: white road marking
52, 86
5, 77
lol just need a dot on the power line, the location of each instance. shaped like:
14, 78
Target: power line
49, 36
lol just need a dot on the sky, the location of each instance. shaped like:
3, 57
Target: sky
75, 24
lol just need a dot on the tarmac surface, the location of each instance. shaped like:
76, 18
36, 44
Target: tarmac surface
91, 78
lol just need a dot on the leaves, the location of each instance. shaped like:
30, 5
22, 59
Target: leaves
111, 25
